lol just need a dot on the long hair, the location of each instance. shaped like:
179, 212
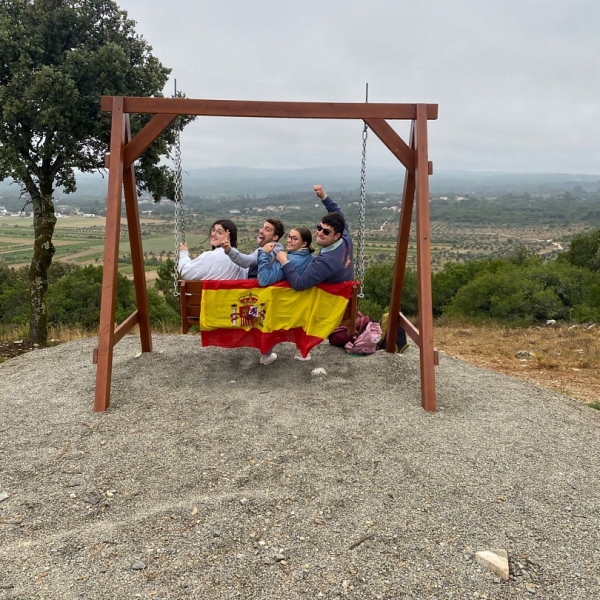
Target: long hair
229, 226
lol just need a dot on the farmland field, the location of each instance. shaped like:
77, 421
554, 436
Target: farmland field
80, 240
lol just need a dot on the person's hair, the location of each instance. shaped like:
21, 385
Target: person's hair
229, 226
278, 226
335, 221
306, 236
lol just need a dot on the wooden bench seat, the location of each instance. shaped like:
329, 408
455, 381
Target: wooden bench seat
190, 301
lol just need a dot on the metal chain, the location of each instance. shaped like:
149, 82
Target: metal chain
360, 256
179, 212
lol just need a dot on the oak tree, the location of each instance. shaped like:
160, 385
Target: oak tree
57, 57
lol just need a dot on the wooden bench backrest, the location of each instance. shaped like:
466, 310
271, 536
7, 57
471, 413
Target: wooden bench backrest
190, 301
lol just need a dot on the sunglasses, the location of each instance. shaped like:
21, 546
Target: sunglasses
323, 229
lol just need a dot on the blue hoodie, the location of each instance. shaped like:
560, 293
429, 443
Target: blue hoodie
270, 271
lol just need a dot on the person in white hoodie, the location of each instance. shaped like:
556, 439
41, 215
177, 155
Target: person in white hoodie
213, 264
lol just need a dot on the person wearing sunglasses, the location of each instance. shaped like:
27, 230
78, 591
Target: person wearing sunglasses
334, 263
271, 232
213, 264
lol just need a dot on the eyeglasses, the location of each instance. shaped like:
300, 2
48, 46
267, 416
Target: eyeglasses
323, 229
217, 231
293, 238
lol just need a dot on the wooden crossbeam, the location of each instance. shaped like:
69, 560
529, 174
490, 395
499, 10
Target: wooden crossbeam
271, 110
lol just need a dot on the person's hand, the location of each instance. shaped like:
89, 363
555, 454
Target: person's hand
319, 191
281, 257
269, 247
226, 243
182, 246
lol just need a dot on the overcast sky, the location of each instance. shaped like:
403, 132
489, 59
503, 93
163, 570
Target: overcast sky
517, 81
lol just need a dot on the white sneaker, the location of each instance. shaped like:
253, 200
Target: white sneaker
268, 358
298, 356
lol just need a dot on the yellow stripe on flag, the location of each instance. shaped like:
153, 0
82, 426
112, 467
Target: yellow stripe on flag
273, 308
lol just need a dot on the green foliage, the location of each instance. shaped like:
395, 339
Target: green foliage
13, 295
74, 300
378, 289
584, 251
528, 294
82, 308
164, 283
454, 276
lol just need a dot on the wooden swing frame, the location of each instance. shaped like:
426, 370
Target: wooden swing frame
125, 150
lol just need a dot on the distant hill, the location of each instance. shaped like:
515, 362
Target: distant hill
234, 181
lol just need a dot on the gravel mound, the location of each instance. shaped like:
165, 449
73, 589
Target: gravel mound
213, 477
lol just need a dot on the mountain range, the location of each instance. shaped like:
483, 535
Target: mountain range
235, 181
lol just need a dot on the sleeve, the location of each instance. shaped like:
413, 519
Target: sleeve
198, 268
317, 272
269, 270
332, 207
243, 260
185, 265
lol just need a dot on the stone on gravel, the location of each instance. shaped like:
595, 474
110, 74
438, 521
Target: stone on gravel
494, 560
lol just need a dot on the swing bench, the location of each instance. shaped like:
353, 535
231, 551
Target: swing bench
190, 304
125, 148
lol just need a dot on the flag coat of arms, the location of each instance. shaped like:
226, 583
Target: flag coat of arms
239, 313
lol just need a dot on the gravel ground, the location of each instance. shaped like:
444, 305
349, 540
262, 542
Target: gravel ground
211, 476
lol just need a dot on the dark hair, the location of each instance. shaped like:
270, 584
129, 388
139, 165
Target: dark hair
306, 236
278, 226
335, 221
227, 225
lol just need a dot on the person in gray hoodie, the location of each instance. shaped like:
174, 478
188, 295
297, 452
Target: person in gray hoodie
271, 231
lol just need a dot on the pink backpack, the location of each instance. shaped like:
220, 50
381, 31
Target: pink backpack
366, 342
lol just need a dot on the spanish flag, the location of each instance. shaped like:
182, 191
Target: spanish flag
241, 313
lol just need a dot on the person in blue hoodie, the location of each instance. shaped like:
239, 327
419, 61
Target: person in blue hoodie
335, 263
300, 254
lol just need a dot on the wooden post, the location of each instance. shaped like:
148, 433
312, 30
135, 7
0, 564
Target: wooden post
406, 212
428, 400
104, 354
137, 252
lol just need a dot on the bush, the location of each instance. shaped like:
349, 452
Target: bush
378, 289
14, 295
74, 300
529, 294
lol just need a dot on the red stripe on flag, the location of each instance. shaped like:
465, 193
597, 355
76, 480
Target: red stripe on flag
254, 338
343, 289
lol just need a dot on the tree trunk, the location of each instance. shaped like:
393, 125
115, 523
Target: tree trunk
43, 251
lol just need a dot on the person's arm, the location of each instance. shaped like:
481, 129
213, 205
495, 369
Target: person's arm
332, 207
184, 262
242, 260
197, 269
317, 272
269, 270
329, 204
